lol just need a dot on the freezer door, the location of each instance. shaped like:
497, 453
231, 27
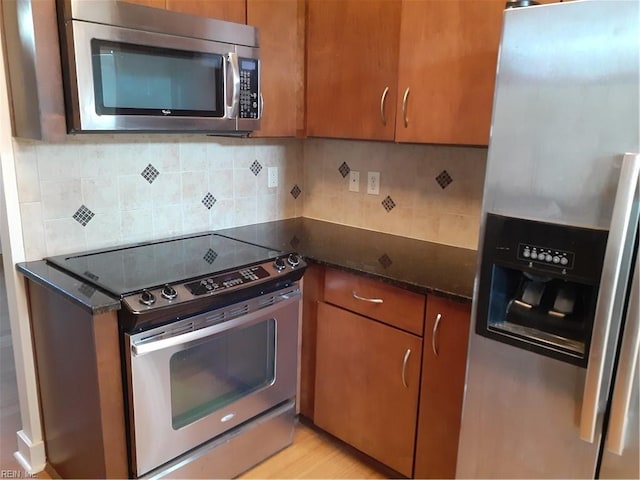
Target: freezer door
621, 452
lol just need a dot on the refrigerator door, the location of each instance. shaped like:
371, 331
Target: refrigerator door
620, 458
565, 111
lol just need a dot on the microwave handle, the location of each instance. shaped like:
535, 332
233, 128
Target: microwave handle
232, 110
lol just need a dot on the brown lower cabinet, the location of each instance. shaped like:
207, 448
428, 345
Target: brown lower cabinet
379, 385
367, 385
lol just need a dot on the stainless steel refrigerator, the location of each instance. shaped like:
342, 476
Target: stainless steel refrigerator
552, 376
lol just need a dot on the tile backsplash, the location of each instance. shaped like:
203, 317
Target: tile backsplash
95, 191
99, 191
427, 192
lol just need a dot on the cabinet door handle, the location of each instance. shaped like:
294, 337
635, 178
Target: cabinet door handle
404, 367
364, 299
383, 99
434, 334
405, 98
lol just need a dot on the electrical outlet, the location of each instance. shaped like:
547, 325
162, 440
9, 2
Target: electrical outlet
373, 183
354, 181
272, 177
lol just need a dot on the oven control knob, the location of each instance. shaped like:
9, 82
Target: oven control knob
147, 298
293, 259
279, 264
169, 292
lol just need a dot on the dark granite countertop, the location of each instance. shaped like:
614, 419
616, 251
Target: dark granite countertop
416, 265
77, 291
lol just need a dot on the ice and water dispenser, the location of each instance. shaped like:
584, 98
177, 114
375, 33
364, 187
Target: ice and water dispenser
538, 286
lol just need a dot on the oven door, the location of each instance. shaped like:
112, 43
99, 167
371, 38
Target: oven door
193, 379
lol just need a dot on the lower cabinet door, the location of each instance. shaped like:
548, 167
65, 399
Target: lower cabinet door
367, 384
443, 372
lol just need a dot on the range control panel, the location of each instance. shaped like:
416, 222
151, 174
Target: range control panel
227, 280
548, 256
167, 295
249, 88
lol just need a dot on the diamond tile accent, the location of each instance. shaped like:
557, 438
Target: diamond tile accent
83, 215
295, 191
87, 290
209, 201
255, 167
344, 169
90, 275
210, 256
388, 204
444, 179
150, 173
385, 261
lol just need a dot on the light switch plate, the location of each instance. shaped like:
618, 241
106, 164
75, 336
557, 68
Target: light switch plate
373, 183
272, 177
354, 181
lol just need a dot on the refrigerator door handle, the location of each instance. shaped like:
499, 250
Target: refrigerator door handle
628, 363
615, 271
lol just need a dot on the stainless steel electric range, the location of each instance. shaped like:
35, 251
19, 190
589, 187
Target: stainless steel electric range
209, 342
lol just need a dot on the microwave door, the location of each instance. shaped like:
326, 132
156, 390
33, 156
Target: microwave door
122, 79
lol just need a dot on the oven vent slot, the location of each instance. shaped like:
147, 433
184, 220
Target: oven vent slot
267, 301
239, 310
215, 318
181, 329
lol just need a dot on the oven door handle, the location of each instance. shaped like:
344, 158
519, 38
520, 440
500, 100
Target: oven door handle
243, 320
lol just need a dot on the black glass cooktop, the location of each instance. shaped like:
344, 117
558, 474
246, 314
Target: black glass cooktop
130, 269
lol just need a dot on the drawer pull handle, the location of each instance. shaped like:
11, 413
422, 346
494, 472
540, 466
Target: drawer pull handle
364, 299
434, 334
404, 367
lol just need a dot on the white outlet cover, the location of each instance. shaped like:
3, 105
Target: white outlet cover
272, 177
354, 181
373, 183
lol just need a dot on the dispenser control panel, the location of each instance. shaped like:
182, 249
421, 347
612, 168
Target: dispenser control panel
548, 256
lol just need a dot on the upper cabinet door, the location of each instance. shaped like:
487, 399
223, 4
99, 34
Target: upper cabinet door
229, 10
352, 57
448, 57
281, 24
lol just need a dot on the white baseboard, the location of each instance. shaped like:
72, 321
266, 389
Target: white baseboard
31, 456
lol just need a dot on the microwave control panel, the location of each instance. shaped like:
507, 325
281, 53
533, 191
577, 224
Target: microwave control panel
249, 88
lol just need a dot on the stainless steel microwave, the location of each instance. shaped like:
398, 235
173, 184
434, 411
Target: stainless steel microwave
128, 67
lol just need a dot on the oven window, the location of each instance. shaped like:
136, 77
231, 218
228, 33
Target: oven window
221, 369
140, 80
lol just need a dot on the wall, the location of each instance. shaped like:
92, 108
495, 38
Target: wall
98, 191
434, 192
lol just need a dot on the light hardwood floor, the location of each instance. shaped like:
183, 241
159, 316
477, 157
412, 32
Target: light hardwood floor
312, 455
315, 454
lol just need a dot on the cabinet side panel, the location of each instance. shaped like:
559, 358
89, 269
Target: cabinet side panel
70, 397
312, 294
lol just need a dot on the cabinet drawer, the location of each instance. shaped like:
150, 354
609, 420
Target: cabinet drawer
392, 305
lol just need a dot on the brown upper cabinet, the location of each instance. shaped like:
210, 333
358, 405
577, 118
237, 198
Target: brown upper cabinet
437, 58
281, 24
352, 60
229, 10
